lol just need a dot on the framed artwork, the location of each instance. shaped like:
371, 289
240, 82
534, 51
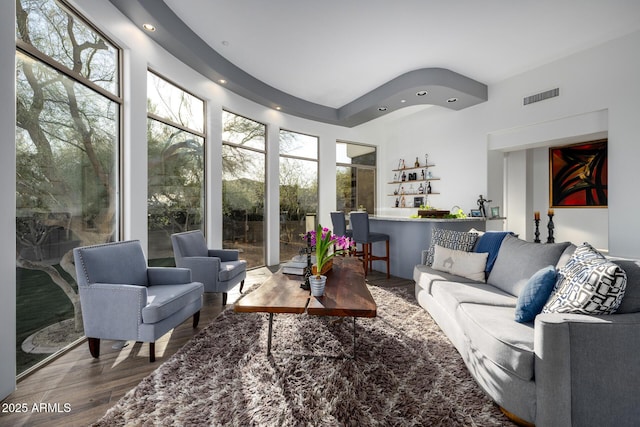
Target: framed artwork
578, 175
495, 211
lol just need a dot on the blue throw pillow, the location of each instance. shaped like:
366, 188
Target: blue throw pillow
490, 242
535, 294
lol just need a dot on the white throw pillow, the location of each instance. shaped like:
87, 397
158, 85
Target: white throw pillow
587, 284
465, 264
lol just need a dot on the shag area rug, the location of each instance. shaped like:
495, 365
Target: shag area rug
406, 373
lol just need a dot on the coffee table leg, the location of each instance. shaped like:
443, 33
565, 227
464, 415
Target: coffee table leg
354, 337
270, 331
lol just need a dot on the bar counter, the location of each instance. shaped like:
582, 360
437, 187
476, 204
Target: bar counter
408, 237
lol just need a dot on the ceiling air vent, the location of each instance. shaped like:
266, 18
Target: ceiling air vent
541, 96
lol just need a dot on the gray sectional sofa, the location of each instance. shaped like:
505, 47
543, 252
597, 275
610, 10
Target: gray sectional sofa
560, 370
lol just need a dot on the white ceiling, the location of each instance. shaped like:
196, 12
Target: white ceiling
331, 52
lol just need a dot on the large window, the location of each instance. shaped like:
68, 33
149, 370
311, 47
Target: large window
175, 138
68, 110
355, 177
243, 186
298, 189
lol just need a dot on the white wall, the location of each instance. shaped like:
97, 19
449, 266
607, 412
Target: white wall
598, 97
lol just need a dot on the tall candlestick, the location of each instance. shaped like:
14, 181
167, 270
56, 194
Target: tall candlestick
536, 215
550, 227
537, 232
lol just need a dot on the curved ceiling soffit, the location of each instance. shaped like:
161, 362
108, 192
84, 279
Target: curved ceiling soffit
444, 87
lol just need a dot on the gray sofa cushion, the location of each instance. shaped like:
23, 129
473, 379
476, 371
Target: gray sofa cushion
424, 276
518, 260
165, 300
499, 338
451, 294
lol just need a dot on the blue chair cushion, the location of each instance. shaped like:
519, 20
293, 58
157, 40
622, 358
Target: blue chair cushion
165, 300
117, 263
535, 294
230, 269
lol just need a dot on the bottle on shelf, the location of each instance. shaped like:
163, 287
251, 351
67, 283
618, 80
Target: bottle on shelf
420, 189
397, 202
395, 177
417, 163
422, 174
428, 188
402, 164
404, 176
403, 202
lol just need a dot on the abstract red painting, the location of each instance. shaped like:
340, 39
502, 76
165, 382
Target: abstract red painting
578, 175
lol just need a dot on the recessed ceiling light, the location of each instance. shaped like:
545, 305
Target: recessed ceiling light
452, 99
278, 108
421, 93
149, 27
223, 81
403, 101
225, 43
382, 108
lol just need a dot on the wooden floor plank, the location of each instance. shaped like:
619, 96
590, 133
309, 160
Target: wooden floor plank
91, 386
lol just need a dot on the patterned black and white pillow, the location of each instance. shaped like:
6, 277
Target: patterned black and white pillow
587, 284
450, 239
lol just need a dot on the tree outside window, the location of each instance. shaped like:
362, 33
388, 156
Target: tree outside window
67, 144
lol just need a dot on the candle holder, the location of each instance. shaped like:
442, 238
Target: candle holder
550, 227
537, 232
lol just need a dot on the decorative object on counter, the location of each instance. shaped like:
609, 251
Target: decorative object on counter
536, 220
550, 227
476, 213
456, 212
481, 208
432, 213
495, 211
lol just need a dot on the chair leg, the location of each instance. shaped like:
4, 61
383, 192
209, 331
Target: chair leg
224, 299
94, 347
365, 257
241, 286
152, 352
196, 319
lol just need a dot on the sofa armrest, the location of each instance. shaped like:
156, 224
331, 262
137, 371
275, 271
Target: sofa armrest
112, 311
168, 275
585, 369
225, 254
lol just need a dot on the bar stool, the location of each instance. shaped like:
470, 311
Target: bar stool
340, 224
362, 235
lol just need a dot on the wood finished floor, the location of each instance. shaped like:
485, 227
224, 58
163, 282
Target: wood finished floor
91, 386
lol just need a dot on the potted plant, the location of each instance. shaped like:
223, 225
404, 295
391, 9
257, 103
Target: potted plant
327, 246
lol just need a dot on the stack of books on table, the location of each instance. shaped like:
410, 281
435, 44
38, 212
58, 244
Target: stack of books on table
296, 265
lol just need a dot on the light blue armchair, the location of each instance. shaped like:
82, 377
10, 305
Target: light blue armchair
123, 299
219, 269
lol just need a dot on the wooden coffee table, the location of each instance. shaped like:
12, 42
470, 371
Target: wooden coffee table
345, 295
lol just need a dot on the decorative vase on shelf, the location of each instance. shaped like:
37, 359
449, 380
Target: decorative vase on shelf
317, 285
